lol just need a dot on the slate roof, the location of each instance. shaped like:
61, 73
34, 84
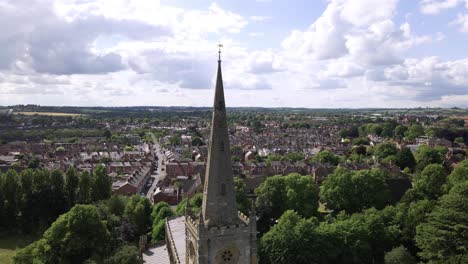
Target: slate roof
156, 255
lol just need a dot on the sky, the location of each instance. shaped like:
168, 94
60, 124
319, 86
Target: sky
276, 53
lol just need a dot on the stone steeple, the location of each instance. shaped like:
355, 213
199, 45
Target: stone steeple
219, 200
219, 234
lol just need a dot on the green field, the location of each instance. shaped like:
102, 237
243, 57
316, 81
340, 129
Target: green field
9, 245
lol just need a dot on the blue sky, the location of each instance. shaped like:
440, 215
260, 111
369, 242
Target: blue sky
277, 53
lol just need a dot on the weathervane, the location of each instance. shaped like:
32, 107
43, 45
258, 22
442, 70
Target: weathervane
219, 50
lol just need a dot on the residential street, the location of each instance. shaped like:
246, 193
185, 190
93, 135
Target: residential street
158, 174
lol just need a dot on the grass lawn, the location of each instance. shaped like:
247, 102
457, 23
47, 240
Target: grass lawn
9, 245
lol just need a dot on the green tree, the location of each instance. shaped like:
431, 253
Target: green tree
351, 132
399, 131
289, 241
294, 191
125, 254
42, 191
326, 156
360, 141
362, 237
34, 163
84, 190
359, 238
353, 191
409, 216
376, 129
75, 237
459, 140
414, 131
161, 211
280, 193
293, 156
388, 130
430, 181
117, 204
426, 155
459, 174
444, 236
405, 159
272, 157
102, 184
2, 199
107, 133
25, 201
385, 150
399, 255
158, 232
195, 203
72, 182
157, 207
243, 202
58, 200
10, 190
138, 212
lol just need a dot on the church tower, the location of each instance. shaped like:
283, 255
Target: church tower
220, 234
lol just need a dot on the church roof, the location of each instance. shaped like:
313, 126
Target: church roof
176, 229
176, 237
156, 255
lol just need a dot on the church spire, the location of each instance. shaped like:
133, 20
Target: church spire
219, 200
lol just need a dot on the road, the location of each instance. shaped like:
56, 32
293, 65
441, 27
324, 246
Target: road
160, 174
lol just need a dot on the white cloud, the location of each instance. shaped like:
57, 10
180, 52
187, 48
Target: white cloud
139, 52
214, 20
324, 39
343, 68
262, 62
433, 7
383, 43
366, 12
363, 30
462, 22
260, 18
256, 34
429, 78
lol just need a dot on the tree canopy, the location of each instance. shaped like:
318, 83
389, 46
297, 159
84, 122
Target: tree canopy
280, 193
353, 191
444, 237
75, 237
326, 156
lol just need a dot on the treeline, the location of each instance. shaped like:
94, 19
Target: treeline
450, 129
386, 129
83, 223
351, 218
49, 134
79, 220
32, 199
